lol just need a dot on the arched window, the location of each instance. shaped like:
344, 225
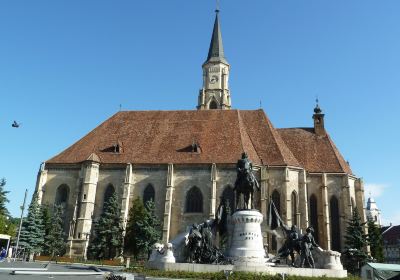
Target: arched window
110, 190
335, 224
229, 195
314, 215
194, 201
62, 195
294, 208
276, 198
149, 194
213, 105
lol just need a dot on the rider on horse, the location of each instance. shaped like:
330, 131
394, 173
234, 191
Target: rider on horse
245, 181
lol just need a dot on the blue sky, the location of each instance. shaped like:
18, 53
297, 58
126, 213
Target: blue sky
66, 66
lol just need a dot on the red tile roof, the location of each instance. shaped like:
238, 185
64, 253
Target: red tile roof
316, 153
156, 137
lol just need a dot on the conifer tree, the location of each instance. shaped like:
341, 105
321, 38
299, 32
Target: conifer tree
47, 225
355, 244
143, 229
107, 241
55, 239
136, 213
375, 240
32, 229
3, 198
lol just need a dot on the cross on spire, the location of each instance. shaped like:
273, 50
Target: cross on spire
317, 109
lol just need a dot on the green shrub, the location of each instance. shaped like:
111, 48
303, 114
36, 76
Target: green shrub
220, 275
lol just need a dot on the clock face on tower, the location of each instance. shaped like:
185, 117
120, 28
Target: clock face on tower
214, 79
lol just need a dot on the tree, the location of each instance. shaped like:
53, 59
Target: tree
47, 225
108, 232
32, 229
7, 226
3, 199
355, 244
143, 229
55, 238
375, 241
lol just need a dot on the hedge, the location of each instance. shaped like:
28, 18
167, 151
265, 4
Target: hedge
221, 276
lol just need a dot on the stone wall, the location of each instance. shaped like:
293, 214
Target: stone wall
212, 181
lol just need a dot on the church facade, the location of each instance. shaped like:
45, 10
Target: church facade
185, 161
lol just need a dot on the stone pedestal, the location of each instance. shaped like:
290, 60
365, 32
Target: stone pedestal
246, 237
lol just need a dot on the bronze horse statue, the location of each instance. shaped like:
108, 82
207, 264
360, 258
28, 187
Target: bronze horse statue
245, 183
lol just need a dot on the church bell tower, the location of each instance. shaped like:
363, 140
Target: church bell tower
215, 91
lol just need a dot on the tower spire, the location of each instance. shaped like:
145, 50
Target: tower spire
216, 50
215, 91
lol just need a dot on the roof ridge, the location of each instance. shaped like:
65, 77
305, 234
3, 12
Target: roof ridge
242, 128
275, 135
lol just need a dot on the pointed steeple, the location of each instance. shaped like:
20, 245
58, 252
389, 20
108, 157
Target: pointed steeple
216, 50
215, 91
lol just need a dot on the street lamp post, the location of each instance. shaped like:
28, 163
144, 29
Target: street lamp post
20, 224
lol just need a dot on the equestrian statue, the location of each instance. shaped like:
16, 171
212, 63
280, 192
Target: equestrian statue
245, 183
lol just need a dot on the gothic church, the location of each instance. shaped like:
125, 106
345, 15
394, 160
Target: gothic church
185, 161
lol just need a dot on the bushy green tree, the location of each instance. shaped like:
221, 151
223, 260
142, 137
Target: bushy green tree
355, 244
3, 198
375, 240
7, 226
143, 229
107, 241
32, 229
6, 222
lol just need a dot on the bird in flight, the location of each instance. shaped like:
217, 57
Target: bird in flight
15, 124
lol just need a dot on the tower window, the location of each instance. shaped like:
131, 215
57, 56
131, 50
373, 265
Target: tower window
213, 105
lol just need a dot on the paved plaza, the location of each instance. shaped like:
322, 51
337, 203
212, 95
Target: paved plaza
69, 268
